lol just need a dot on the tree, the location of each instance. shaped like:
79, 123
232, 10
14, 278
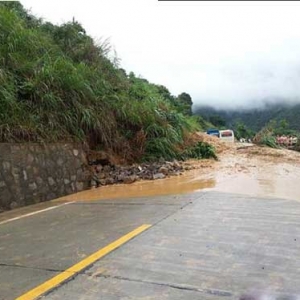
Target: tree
217, 120
241, 131
165, 93
184, 103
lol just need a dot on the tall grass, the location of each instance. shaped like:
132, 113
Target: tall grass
57, 84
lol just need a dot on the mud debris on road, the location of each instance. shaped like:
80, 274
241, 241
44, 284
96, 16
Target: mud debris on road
250, 170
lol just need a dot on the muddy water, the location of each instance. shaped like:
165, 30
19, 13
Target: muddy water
262, 173
258, 176
174, 185
274, 174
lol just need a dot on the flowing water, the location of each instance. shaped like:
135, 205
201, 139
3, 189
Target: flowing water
243, 173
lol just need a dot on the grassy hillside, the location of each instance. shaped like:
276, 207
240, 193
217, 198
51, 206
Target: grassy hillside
57, 84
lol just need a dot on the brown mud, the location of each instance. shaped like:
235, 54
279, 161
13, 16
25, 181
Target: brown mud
242, 169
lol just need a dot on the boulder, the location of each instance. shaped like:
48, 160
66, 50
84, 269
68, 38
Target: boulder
120, 177
163, 170
101, 175
129, 179
176, 164
93, 183
98, 168
107, 168
158, 176
102, 181
109, 180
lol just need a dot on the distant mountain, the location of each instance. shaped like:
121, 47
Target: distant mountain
254, 119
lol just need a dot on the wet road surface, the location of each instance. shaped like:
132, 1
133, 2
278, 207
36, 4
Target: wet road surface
201, 245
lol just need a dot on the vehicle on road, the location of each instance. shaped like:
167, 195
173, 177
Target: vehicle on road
214, 132
227, 135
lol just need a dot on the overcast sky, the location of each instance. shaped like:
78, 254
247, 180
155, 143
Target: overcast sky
221, 53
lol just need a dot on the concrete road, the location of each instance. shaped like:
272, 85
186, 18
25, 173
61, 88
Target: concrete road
205, 245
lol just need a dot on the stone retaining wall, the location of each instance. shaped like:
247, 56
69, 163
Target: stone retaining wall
32, 173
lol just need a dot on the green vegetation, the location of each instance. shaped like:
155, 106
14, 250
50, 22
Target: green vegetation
200, 150
184, 104
242, 131
57, 84
255, 119
266, 136
217, 121
269, 141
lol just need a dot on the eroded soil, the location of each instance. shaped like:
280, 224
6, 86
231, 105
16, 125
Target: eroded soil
242, 168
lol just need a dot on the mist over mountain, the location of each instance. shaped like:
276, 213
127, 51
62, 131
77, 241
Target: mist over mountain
254, 118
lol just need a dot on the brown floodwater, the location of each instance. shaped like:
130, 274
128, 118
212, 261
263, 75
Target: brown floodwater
173, 185
262, 173
274, 175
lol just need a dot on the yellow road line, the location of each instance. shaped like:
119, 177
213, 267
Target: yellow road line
75, 269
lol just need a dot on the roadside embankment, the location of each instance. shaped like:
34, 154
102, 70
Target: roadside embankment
32, 173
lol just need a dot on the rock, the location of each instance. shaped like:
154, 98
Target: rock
169, 165
13, 205
120, 178
102, 181
30, 159
51, 181
163, 170
39, 180
16, 173
93, 183
66, 181
176, 164
79, 186
32, 186
101, 175
25, 175
129, 179
98, 168
107, 168
147, 176
109, 180
2, 184
158, 176
6, 165
117, 168
60, 161
187, 168
75, 152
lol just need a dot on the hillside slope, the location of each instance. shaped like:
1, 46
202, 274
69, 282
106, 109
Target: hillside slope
57, 84
255, 119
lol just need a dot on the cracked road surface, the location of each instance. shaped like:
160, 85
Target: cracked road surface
204, 245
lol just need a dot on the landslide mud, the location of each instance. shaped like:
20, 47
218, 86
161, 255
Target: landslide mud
243, 169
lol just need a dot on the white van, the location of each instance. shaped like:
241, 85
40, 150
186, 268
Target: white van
227, 135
